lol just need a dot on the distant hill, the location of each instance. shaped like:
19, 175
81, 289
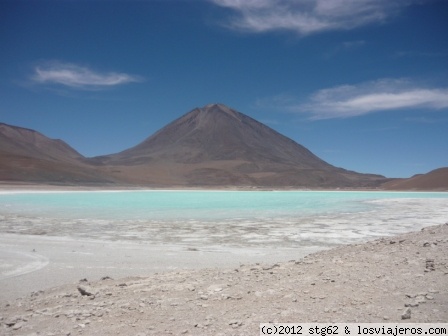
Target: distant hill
218, 146
29, 143
29, 156
434, 180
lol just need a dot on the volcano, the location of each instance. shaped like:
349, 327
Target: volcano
218, 146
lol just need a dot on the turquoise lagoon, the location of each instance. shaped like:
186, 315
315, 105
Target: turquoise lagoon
263, 219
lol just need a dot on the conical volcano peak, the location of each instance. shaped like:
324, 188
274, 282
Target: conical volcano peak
217, 145
221, 108
215, 106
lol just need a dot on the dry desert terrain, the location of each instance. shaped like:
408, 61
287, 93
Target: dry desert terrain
390, 280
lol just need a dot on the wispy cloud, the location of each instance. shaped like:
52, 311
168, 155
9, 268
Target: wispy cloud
309, 16
355, 100
79, 77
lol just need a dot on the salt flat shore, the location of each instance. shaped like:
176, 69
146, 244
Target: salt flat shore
30, 188
395, 279
29, 263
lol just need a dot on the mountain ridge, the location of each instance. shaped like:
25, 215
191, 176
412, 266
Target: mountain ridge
28, 142
210, 146
27, 155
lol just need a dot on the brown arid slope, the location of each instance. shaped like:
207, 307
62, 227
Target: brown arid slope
29, 143
29, 156
218, 146
434, 180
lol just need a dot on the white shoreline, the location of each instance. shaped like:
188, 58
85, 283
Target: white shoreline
70, 260
52, 191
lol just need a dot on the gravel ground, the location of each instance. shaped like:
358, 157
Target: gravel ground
399, 279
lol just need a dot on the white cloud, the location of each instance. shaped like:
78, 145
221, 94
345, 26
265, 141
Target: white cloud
382, 95
309, 16
79, 77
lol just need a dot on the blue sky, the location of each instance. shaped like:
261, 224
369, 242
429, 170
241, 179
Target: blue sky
363, 84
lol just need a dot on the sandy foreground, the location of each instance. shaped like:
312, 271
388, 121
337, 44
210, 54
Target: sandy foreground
386, 280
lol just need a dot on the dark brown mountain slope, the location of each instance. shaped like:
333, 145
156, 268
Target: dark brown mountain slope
216, 132
434, 180
29, 156
29, 143
216, 145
